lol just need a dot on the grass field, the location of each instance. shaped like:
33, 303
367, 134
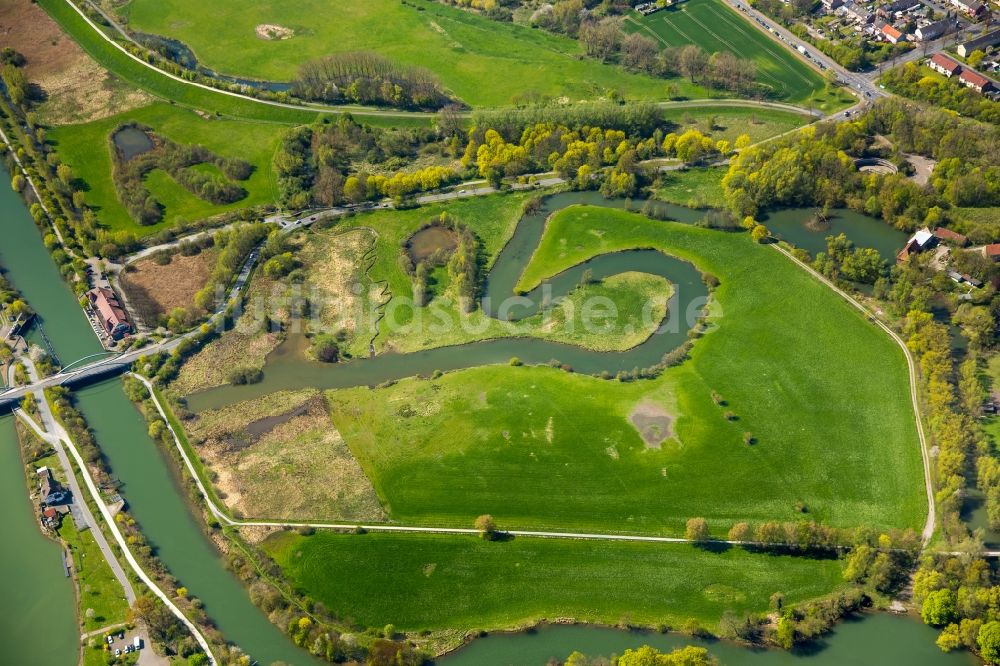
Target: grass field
86, 148
462, 48
177, 92
728, 122
432, 582
541, 448
698, 188
714, 27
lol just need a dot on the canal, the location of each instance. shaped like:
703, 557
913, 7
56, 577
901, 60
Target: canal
157, 503
39, 621
27, 264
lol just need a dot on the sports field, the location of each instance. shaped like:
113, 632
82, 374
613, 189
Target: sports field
432, 582
537, 447
464, 49
714, 27
86, 148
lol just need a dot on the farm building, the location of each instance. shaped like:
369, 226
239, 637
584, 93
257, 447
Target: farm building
992, 251
109, 312
950, 237
922, 240
975, 80
941, 63
891, 35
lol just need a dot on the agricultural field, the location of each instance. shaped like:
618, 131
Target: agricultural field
714, 27
462, 48
419, 582
87, 150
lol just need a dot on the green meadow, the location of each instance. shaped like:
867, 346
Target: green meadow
464, 49
419, 581
537, 447
87, 149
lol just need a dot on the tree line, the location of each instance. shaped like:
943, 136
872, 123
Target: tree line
369, 78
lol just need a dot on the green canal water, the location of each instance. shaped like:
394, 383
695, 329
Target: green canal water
156, 502
38, 622
872, 640
27, 264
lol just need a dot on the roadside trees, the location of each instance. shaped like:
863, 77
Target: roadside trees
696, 530
487, 527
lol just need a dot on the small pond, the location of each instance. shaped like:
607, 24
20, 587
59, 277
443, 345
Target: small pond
793, 225
428, 241
132, 141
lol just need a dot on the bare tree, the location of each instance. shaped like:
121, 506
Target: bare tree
693, 61
601, 40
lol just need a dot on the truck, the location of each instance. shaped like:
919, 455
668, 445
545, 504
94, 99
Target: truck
137, 642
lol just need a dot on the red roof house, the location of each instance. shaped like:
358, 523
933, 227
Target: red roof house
992, 251
939, 62
950, 236
973, 79
109, 312
892, 35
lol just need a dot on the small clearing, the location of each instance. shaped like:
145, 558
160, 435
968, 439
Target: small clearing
284, 441
153, 290
272, 32
653, 422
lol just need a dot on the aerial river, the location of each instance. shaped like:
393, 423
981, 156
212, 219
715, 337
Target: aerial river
37, 626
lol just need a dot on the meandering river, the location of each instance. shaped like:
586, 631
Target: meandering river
37, 626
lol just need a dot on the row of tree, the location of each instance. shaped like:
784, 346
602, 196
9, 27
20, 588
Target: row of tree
369, 78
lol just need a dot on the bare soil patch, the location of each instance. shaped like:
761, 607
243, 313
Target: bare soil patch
75, 88
653, 422
270, 32
291, 463
153, 290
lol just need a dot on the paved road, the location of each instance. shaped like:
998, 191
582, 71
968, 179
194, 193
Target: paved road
54, 434
119, 538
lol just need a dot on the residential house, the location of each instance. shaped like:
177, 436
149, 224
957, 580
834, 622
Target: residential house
831, 5
889, 9
922, 240
856, 13
950, 237
933, 30
969, 7
109, 312
891, 35
973, 79
980, 43
939, 62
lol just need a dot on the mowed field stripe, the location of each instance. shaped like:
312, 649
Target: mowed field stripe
766, 43
781, 84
